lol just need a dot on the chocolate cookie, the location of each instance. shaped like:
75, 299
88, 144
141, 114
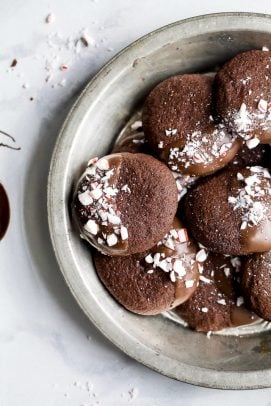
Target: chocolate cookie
156, 280
133, 140
230, 212
256, 283
215, 304
125, 203
179, 126
243, 96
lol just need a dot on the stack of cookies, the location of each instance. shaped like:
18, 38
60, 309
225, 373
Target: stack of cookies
180, 212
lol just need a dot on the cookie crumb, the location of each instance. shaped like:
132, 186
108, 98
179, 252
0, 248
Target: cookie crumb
13, 63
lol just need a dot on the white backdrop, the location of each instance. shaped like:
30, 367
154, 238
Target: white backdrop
50, 355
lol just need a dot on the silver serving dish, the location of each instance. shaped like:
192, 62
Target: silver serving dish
228, 360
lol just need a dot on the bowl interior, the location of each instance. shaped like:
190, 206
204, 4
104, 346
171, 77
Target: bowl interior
107, 103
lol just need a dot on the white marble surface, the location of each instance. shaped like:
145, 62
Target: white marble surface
50, 354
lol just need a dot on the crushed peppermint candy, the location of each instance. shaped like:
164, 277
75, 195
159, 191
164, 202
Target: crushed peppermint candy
263, 105
103, 164
85, 198
189, 283
160, 145
245, 121
91, 227
124, 233
239, 301
139, 141
64, 67
200, 268
126, 189
96, 195
204, 279
201, 148
227, 272
136, 125
250, 199
149, 259
201, 255
242, 119
252, 142
174, 264
111, 240
222, 302
183, 235
171, 131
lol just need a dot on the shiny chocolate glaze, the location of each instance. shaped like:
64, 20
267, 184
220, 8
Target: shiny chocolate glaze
4, 211
255, 237
239, 315
83, 213
204, 161
186, 252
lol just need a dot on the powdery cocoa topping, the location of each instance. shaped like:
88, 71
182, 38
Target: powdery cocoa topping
97, 193
251, 197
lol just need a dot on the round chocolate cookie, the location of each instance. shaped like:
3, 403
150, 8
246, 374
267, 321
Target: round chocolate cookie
179, 126
216, 304
125, 203
230, 212
256, 283
243, 96
156, 280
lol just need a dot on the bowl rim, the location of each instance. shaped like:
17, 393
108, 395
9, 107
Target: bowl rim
193, 375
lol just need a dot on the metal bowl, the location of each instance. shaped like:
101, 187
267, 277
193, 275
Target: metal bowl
196, 44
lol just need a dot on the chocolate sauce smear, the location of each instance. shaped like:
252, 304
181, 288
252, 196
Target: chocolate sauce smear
4, 212
7, 145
